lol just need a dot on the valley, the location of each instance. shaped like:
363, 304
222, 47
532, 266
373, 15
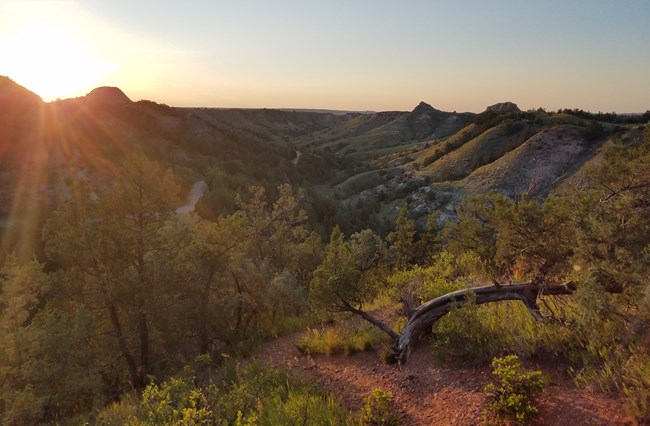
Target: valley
370, 164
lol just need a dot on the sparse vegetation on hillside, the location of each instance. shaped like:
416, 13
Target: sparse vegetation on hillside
609, 117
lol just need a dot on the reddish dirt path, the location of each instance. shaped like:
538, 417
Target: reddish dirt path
426, 394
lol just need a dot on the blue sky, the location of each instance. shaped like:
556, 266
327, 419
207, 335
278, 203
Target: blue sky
365, 55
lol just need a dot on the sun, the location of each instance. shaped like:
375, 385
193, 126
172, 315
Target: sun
51, 62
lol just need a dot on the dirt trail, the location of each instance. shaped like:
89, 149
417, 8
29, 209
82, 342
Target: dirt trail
426, 394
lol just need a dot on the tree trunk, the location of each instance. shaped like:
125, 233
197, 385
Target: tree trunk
428, 313
143, 331
136, 379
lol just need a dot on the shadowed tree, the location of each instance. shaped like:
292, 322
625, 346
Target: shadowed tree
237, 274
112, 242
47, 368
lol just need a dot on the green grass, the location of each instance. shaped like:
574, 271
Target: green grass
292, 324
475, 334
333, 341
617, 372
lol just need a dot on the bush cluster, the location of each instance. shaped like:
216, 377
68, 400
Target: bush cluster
234, 395
378, 409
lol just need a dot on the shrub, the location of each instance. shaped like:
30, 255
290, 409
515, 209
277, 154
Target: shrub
378, 409
118, 413
236, 395
475, 334
174, 402
513, 394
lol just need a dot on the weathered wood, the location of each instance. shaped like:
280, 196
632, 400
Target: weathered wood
428, 313
422, 318
344, 306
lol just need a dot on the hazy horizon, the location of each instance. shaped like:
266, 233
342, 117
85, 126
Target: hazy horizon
358, 56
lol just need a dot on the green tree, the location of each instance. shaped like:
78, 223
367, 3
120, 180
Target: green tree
403, 248
238, 274
336, 280
430, 242
278, 234
203, 294
336, 284
110, 240
368, 249
22, 288
47, 370
473, 231
613, 217
534, 239
612, 247
371, 259
518, 239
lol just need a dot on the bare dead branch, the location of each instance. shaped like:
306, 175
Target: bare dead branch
428, 313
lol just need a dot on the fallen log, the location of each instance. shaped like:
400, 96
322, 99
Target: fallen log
424, 316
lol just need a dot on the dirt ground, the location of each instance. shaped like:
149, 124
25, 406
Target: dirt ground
427, 394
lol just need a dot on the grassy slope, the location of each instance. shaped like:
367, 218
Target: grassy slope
483, 149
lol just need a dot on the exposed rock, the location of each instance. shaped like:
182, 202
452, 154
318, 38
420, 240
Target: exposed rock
503, 107
536, 166
425, 121
423, 108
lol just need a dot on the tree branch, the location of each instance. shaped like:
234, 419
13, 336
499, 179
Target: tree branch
345, 306
428, 313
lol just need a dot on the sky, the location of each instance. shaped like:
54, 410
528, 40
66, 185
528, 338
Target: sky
352, 55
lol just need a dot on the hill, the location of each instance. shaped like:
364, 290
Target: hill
367, 136
537, 165
512, 152
87, 135
360, 167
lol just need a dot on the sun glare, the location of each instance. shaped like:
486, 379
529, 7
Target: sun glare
51, 62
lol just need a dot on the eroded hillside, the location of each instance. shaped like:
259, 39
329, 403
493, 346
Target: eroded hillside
358, 168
